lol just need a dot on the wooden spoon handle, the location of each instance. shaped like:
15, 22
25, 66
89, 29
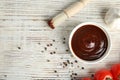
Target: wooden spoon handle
67, 13
76, 7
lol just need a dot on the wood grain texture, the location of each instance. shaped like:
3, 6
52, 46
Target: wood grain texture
30, 50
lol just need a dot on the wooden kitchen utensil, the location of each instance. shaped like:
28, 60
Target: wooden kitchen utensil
67, 13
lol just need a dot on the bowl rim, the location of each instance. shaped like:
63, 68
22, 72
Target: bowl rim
106, 33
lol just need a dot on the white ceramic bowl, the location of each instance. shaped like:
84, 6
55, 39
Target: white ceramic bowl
106, 33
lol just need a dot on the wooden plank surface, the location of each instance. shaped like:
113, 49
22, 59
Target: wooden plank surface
30, 50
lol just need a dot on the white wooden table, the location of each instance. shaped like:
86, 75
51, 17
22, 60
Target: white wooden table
30, 50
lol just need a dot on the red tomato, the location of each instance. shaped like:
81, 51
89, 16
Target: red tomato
103, 75
115, 70
86, 78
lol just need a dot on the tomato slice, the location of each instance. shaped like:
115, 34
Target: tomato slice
115, 70
103, 75
86, 78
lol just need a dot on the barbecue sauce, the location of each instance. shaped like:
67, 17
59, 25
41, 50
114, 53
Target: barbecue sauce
89, 42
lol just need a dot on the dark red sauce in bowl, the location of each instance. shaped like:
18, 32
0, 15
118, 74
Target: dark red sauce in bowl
89, 42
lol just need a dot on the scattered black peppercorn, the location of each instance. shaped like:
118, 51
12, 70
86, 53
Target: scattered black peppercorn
51, 53
54, 52
68, 61
63, 66
71, 62
50, 44
55, 71
53, 40
39, 43
67, 50
5, 75
65, 63
72, 73
74, 78
63, 42
45, 48
48, 60
76, 61
63, 38
82, 67
19, 47
75, 74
